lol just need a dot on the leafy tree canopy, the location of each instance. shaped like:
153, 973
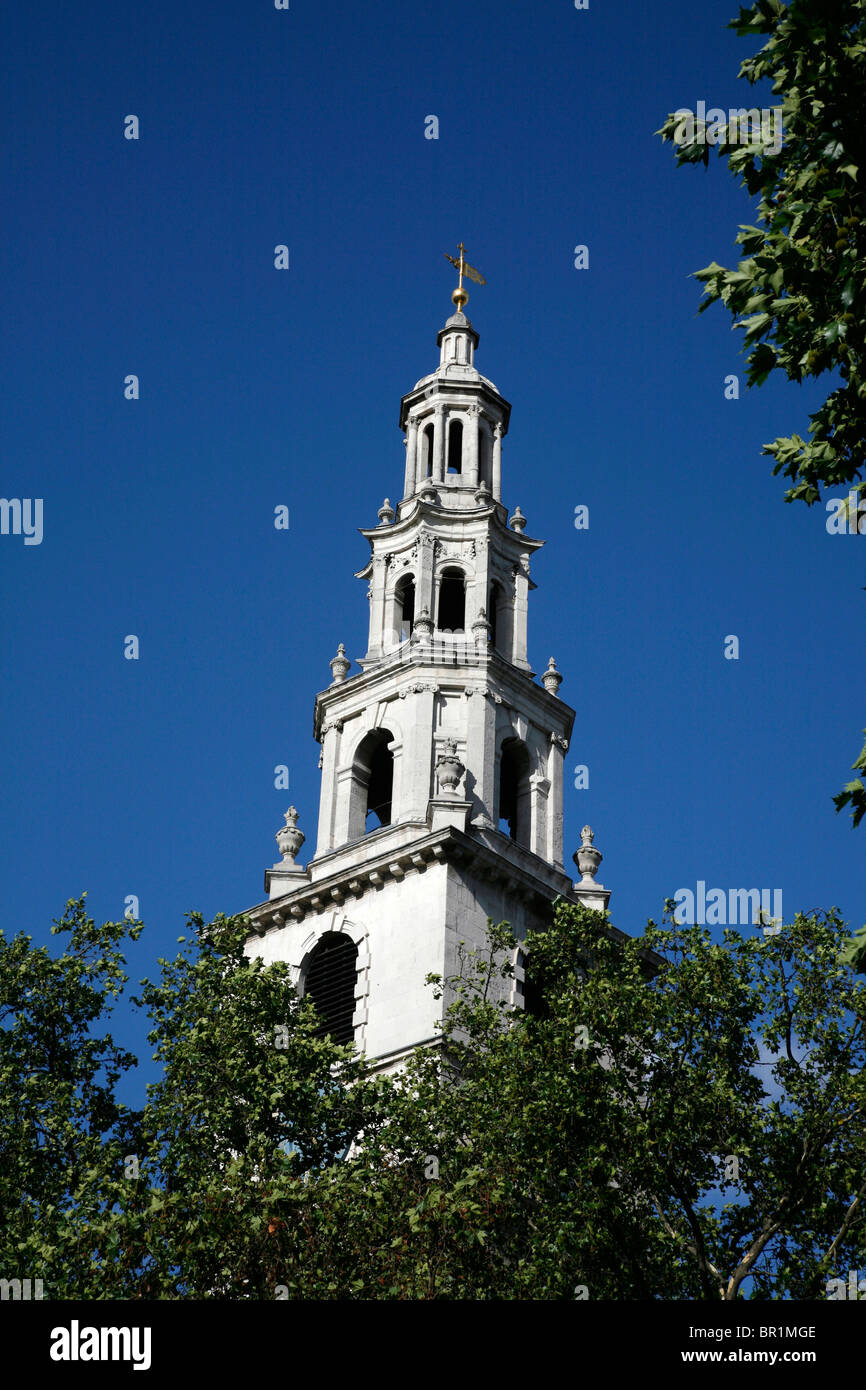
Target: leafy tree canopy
678, 1119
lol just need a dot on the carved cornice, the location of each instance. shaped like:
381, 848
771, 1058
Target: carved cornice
381, 678
534, 878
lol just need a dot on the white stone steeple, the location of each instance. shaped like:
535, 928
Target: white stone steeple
455, 420
442, 758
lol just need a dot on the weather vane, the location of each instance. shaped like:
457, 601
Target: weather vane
463, 267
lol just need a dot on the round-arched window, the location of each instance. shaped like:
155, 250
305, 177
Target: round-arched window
329, 980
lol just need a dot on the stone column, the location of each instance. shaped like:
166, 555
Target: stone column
496, 485
521, 613
344, 786
424, 596
481, 755
398, 791
556, 761
327, 800
539, 790
411, 452
377, 605
472, 453
420, 705
420, 426
438, 444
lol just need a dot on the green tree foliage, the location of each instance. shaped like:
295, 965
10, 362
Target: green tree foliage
677, 1119
585, 1152
799, 292
250, 1101
63, 1134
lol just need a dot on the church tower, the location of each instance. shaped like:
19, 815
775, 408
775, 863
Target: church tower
442, 757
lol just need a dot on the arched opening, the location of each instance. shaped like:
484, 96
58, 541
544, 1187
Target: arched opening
485, 457
493, 613
330, 981
514, 791
427, 451
381, 787
371, 792
455, 447
405, 600
452, 601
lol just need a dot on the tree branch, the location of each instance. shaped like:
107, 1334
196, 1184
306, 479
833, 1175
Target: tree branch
846, 1224
706, 1265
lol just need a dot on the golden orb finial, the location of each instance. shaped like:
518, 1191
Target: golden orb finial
460, 296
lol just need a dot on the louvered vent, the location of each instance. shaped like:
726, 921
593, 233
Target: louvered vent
330, 983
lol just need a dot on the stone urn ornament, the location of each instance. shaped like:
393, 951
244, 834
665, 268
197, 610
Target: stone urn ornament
449, 768
422, 628
289, 838
339, 665
552, 679
586, 858
481, 629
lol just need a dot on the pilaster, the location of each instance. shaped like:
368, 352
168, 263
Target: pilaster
411, 452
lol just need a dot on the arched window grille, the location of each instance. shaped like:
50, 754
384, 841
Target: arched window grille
330, 980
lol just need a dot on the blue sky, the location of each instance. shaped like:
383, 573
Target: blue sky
258, 387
